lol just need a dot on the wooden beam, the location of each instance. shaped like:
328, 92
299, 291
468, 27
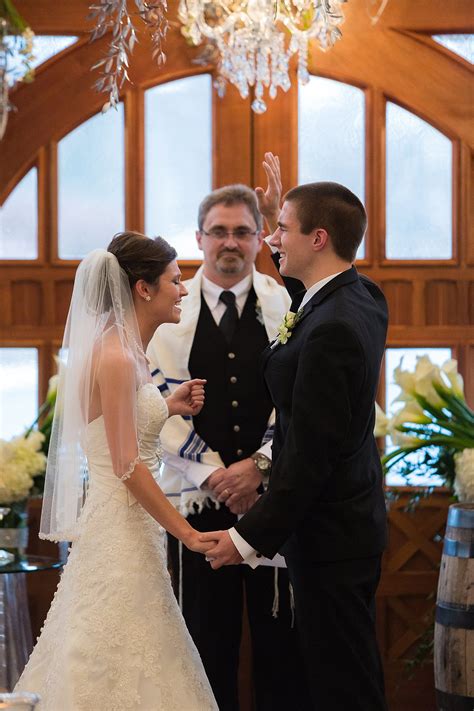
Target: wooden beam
431, 16
68, 17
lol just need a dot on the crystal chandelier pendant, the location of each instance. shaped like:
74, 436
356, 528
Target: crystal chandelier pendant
255, 39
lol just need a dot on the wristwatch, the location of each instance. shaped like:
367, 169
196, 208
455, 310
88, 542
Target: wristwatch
263, 463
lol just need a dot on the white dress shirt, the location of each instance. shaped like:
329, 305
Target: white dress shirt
212, 292
249, 554
197, 472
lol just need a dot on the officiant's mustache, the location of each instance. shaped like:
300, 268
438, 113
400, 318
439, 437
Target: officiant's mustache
230, 252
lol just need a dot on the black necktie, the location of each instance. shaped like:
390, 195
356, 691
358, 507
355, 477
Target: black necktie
230, 318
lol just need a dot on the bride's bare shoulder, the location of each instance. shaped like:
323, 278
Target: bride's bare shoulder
111, 352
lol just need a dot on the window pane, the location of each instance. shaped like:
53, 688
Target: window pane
331, 135
419, 185
44, 47
178, 159
19, 220
91, 184
393, 356
459, 44
18, 390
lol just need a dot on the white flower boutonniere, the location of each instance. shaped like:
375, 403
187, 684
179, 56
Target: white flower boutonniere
258, 312
285, 329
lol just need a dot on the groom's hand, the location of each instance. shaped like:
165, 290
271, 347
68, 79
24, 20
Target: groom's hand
224, 553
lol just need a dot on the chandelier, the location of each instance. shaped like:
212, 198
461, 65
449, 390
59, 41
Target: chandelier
253, 40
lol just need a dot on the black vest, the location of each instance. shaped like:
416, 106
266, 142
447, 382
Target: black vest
235, 415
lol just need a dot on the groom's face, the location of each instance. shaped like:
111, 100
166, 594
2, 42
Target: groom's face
294, 246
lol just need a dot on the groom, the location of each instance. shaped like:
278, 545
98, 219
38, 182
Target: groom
324, 509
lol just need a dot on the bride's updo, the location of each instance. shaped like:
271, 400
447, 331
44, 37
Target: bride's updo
141, 257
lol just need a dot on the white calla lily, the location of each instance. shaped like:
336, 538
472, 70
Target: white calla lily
412, 412
382, 422
427, 373
405, 381
450, 370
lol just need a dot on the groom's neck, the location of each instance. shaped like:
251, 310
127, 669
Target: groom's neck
321, 270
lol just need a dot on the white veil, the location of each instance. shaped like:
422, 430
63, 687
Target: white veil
102, 368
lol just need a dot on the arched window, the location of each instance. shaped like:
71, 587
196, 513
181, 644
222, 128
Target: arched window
418, 188
331, 135
91, 189
178, 159
19, 220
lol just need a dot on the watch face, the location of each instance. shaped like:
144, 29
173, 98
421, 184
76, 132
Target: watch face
262, 463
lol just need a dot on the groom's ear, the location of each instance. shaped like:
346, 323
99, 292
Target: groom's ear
319, 239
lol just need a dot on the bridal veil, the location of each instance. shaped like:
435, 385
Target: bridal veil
102, 368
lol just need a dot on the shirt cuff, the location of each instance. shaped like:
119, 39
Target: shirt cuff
249, 554
266, 449
194, 472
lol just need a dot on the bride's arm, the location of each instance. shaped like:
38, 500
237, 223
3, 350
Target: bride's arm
149, 495
118, 395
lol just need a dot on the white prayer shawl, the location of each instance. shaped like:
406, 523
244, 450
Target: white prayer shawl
169, 351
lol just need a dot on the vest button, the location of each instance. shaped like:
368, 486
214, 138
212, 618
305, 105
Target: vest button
235, 403
236, 428
239, 452
233, 379
231, 355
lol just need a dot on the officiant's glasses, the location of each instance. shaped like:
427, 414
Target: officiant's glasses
241, 234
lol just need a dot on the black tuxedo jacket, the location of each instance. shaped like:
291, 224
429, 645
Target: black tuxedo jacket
325, 499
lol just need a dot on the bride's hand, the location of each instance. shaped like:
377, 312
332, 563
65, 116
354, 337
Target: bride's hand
197, 546
187, 399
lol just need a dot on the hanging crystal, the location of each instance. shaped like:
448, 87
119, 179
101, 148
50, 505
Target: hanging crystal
255, 39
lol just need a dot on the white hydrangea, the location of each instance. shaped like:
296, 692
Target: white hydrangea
20, 461
464, 481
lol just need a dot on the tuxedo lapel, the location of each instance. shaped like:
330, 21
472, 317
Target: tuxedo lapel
346, 277
342, 279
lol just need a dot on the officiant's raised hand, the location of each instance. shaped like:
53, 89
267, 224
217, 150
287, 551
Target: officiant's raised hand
187, 399
269, 200
224, 553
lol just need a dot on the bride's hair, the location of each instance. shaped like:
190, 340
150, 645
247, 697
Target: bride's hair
141, 257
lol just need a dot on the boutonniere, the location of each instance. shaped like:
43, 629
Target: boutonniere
258, 312
285, 329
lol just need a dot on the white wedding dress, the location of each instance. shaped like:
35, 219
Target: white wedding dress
114, 638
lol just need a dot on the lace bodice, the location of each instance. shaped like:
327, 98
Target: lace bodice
151, 416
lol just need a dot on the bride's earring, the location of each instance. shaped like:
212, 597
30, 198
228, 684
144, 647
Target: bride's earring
148, 298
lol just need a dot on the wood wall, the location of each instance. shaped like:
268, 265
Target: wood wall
431, 302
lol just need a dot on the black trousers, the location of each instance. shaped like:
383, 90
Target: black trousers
213, 603
335, 612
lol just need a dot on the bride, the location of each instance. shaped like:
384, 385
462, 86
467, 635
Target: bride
114, 638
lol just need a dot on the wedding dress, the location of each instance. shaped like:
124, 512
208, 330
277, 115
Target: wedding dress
114, 638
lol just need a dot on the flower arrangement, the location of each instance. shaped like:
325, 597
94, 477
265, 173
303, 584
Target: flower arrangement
23, 463
433, 432
16, 38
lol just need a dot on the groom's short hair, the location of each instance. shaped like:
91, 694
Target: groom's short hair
336, 209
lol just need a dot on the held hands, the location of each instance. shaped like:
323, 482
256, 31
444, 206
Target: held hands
187, 399
269, 199
194, 542
222, 550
